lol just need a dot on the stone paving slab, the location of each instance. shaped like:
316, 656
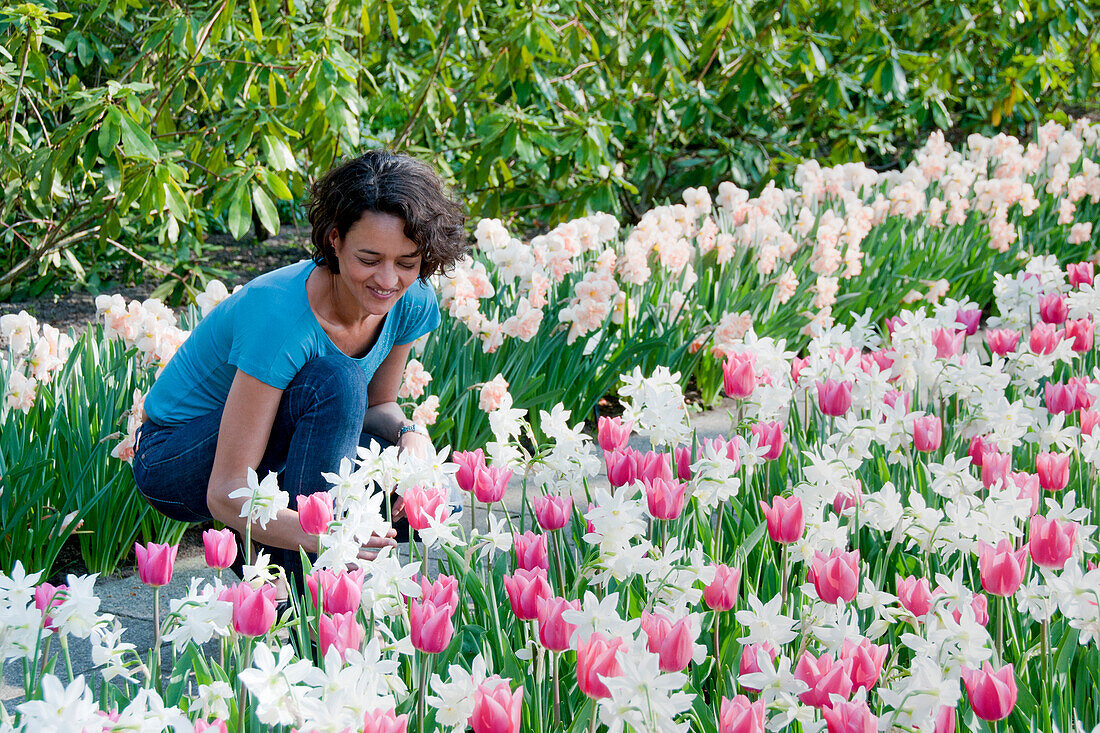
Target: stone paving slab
132, 601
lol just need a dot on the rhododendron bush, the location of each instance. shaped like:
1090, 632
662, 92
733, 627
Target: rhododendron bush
895, 533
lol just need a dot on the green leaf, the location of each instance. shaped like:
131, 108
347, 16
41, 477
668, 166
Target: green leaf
136, 142
240, 210
109, 131
265, 209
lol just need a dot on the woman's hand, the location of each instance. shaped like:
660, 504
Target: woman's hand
418, 444
369, 550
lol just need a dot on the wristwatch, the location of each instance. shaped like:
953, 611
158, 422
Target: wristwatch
412, 428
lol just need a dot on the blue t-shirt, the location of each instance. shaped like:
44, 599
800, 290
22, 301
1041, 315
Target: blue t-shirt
267, 330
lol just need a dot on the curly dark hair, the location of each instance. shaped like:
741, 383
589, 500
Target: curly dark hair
389, 183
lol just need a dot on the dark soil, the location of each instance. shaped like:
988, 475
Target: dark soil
244, 260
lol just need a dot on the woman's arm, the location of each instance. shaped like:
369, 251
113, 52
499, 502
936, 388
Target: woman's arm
385, 417
245, 429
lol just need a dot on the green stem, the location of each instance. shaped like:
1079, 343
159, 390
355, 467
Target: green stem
422, 691
1048, 682
68, 658
242, 691
557, 691
156, 639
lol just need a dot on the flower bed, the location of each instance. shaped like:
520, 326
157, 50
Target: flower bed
895, 534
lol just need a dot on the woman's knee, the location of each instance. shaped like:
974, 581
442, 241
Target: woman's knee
333, 383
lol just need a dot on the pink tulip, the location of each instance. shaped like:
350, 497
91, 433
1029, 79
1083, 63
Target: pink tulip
1001, 567
671, 641
881, 358
785, 520
212, 726
995, 467
525, 588
385, 721
340, 630
430, 626
622, 466
948, 342
1079, 273
468, 462
978, 446
490, 483
979, 604
927, 433
1060, 399
915, 595
555, 632
721, 593
1083, 334
496, 708
969, 319
1089, 420
1053, 308
201, 726
1053, 470
553, 512
892, 324
739, 375
442, 592
315, 512
1044, 337
340, 591
1002, 341
834, 397
1051, 542
992, 692
665, 498
47, 597
824, 677
741, 716
835, 576
771, 435
1027, 487
847, 498
945, 720
596, 660
797, 365
155, 563
532, 551
612, 433
850, 717
863, 662
1081, 385
653, 465
682, 454
719, 445
220, 547
424, 502
253, 610
890, 399
750, 660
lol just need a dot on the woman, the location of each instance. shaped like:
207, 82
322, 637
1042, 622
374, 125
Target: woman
300, 366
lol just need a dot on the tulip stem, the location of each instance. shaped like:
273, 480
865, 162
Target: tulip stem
1048, 682
68, 658
156, 639
784, 576
557, 691
242, 693
717, 656
718, 533
592, 720
421, 693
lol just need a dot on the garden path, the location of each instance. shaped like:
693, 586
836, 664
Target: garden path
132, 602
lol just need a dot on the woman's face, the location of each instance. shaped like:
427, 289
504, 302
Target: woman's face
378, 263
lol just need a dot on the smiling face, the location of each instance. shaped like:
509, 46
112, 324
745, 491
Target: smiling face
378, 263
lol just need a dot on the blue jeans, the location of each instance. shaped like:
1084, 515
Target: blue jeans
319, 421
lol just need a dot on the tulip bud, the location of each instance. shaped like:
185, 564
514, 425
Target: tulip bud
467, 462
1001, 567
1051, 542
835, 576
496, 708
430, 627
524, 588
555, 632
771, 435
741, 716
553, 512
315, 512
596, 660
1053, 470
155, 563
612, 434
834, 397
721, 593
532, 551
220, 547
785, 519
739, 375
992, 693
927, 433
